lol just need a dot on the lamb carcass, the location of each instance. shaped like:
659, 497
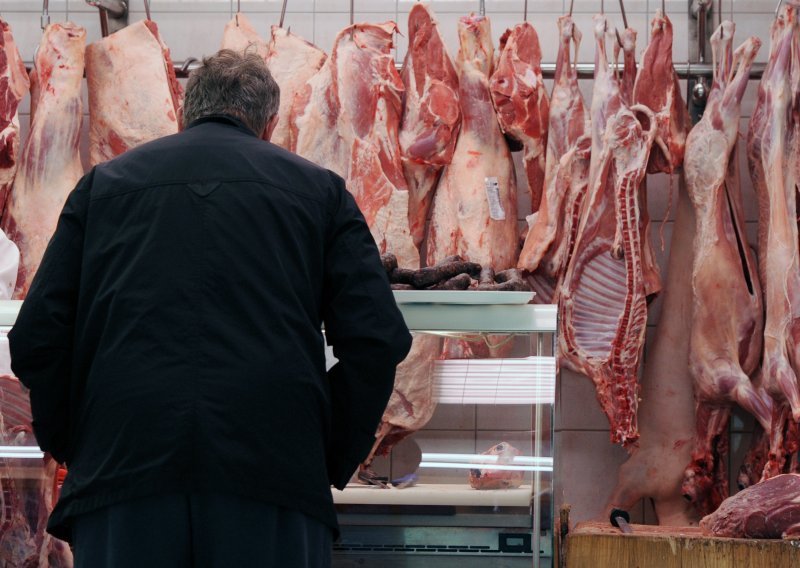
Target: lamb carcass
521, 101
475, 206
603, 303
134, 96
347, 119
552, 229
431, 115
772, 149
14, 86
725, 344
50, 163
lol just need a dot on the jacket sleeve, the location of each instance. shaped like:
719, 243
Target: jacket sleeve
41, 340
366, 331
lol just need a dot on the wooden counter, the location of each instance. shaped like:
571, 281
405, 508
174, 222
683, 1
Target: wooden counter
599, 545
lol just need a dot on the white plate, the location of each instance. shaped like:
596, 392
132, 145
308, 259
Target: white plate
461, 297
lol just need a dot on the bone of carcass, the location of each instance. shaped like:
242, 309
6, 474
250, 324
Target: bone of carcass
431, 115
14, 86
50, 163
772, 144
603, 303
552, 232
769, 509
347, 118
657, 88
475, 207
628, 79
134, 96
292, 62
521, 101
241, 36
412, 403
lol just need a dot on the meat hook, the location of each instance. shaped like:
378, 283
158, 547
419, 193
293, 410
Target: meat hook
602, 6
571, 4
283, 14
187, 63
147, 9
482, 7
238, 9
352, 10
525, 12
45, 14
624, 17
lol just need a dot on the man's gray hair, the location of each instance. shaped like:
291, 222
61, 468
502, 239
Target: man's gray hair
237, 84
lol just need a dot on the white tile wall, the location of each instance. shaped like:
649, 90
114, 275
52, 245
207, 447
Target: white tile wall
586, 462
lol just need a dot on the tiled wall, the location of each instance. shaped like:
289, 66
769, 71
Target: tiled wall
586, 462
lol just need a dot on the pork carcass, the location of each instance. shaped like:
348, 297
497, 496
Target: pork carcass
725, 344
770, 509
14, 86
521, 101
475, 206
431, 115
292, 62
347, 120
603, 303
411, 404
553, 228
240, 35
134, 96
657, 88
50, 164
772, 150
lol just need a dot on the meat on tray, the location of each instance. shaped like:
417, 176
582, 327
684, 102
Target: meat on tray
487, 477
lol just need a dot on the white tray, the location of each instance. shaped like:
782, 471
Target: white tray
461, 297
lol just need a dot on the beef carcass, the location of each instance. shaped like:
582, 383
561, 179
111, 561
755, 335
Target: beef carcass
726, 338
411, 404
292, 62
770, 509
772, 149
50, 163
240, 35
521, 101
134, 96
475, 206
431, 115
552, 229
603, 304
347, 119
657, 88
14, 86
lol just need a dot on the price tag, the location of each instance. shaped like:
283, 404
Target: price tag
496, 211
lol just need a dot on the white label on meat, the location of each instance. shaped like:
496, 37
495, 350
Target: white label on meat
493, 197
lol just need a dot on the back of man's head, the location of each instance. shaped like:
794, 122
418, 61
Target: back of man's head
235, 84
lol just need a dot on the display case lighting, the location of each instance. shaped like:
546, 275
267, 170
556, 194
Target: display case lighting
528, 380
486, 461
22, 452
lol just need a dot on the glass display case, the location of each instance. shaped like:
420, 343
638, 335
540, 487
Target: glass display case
472, 484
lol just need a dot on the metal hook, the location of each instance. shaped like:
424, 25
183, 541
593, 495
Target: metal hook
238, 9
147, 9
525, 12
663, 7
283, 14
352, 10
624, 17
571, 4
602, 6
45, 14
482, 7
187, 63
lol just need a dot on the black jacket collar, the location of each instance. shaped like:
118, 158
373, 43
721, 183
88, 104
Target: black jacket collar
223, 119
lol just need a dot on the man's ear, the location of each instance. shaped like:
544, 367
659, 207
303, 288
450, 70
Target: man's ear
270, 128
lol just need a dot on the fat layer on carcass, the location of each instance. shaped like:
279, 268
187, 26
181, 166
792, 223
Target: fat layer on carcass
431, 115
725, 344
134, 96
772, 148
292, 62
14, 86
770, 509
603, 301
50, 163
553, 228
240, 35
475, 207
520, 98
347, 119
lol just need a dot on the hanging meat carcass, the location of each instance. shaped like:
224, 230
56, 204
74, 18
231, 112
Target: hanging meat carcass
412, 402
431, 115
241, 36
475, 207
14, 86
551, 236
347, 119
134, 96
725, 343
292, 62
50, 163
604, 307
772, 150
521, 101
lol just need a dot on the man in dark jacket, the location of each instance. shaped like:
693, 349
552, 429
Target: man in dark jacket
172, 343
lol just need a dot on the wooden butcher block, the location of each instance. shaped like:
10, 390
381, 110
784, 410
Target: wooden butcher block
600, 545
